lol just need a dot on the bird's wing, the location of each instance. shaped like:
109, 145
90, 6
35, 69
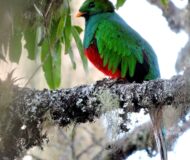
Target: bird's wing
118, 44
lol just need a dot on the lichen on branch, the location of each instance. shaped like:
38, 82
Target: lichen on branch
29, 108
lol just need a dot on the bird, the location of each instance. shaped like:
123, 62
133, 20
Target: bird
118, 51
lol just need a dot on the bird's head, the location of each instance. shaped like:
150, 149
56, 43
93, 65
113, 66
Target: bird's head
92, 7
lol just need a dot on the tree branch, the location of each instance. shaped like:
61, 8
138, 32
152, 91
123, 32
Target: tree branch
22, 120
142, 138
178, 19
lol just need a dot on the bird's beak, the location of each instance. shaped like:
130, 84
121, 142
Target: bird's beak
80, 14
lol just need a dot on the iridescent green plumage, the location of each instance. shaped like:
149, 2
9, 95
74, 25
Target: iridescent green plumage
119, 45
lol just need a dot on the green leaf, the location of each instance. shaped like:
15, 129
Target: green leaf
15, 47
60, 27
71, 55
51, 60
165, 2
79, 29
53, 31
120, 3
67, 31
31, 42
80, 47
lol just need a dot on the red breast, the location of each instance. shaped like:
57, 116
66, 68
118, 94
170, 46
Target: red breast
92, 54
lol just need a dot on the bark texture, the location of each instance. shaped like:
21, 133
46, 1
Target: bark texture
23, 115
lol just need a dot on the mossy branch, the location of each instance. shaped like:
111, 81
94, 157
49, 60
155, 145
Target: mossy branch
21, 123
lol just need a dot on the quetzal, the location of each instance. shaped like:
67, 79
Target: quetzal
119, 51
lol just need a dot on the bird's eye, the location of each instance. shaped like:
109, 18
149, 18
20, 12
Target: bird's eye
91, 5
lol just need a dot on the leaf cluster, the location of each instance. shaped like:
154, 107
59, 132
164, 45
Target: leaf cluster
46, 27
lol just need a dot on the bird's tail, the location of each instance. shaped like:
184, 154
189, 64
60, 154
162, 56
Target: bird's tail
157, 122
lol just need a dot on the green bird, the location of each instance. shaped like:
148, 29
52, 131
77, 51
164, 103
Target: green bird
119, 51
